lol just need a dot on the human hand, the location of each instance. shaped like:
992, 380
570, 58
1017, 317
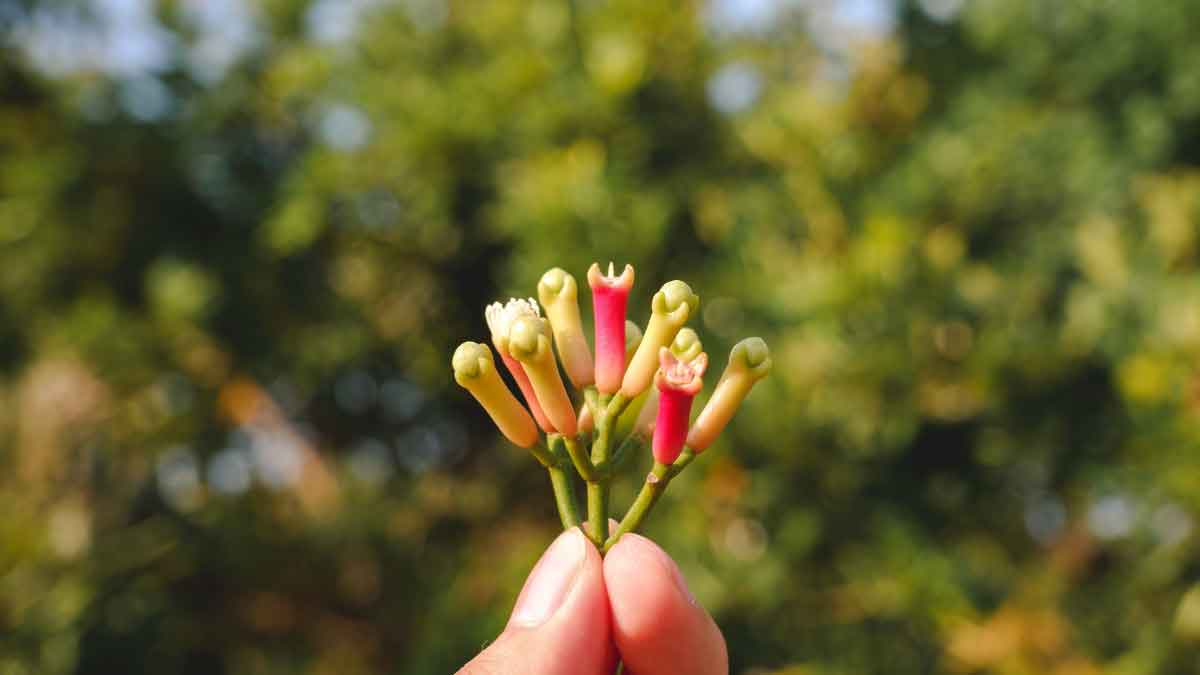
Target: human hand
579, 613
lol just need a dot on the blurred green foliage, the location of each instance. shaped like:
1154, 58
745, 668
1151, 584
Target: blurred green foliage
231, 277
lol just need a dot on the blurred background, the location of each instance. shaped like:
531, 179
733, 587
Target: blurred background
239, 240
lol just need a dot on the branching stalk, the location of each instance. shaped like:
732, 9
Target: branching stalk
542, 455
583, 463
656, 483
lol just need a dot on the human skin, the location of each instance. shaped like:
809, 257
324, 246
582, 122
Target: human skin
578, 613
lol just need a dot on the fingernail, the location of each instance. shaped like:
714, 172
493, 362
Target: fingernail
551, 580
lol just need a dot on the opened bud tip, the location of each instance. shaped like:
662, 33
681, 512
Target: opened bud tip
679, 375
500, 318
610, 280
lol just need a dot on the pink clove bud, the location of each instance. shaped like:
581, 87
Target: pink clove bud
678, 383
610, 295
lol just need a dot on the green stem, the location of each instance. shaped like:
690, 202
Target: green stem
654, 487
598, 489
685, 458
583, 463
605, 412
544, 456
617, 405
597, 501
564, 496
600, 443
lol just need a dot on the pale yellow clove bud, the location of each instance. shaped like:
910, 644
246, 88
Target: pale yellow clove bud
671, 307
633, 337
587, 424
644, 425
559, 294
529, 342
475, 370
749, 362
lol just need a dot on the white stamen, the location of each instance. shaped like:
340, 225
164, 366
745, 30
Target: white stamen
500, 317
611, 270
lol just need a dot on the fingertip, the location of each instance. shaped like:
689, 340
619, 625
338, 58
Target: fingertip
560, 624
578, 639
552, 581
634, 551
587, 602
655, 618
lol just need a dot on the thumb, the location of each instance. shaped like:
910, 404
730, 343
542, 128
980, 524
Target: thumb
560, 624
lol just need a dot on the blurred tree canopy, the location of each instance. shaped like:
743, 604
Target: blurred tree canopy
239, 240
